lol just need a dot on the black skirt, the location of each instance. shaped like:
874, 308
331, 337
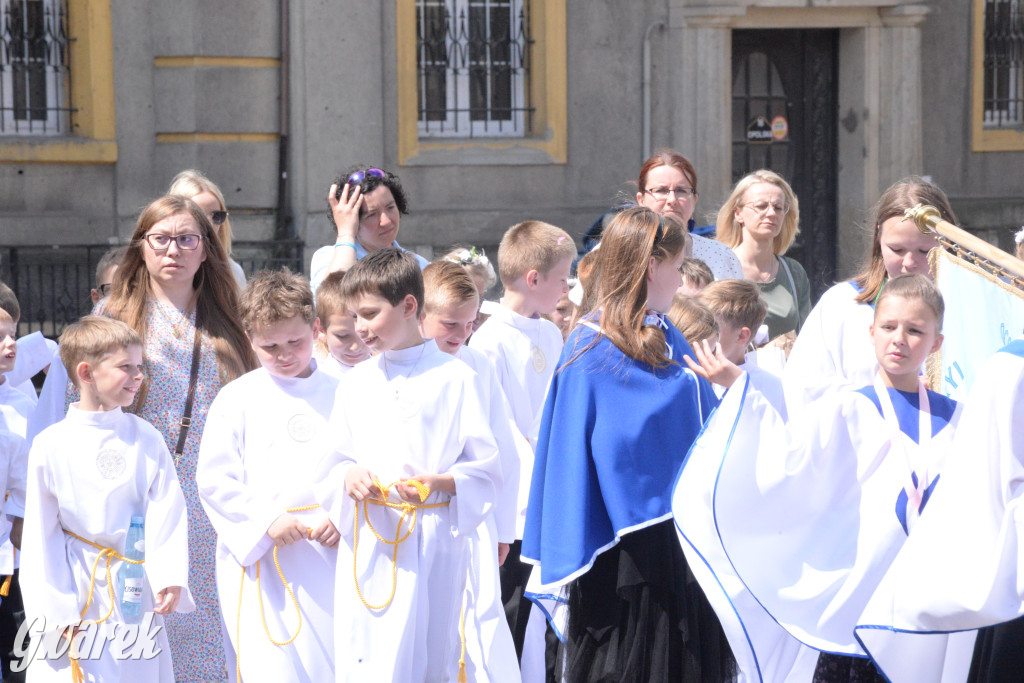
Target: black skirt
639, 615
844, 669
999, 654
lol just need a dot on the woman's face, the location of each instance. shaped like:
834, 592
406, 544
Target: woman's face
668, 191
904, 247
173, 266
378, 220
761, 211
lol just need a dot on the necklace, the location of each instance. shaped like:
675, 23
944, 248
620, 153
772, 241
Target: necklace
399, 387
176, 327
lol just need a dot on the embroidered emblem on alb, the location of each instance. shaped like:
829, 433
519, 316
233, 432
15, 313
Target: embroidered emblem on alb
301, 427
539, 361
110, 463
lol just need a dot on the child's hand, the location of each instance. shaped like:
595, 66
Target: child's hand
326, 534
17, 523
287, 529
714, 366
434, 482
167, 600
360, 483
502, 553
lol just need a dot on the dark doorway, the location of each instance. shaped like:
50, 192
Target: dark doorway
784, 115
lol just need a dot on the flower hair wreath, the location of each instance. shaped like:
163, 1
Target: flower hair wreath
474, 257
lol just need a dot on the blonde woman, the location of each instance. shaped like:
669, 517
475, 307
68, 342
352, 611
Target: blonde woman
759, 223
204, 192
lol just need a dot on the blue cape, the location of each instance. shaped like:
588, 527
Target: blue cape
613, 436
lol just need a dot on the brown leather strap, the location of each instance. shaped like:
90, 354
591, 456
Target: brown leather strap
186, 417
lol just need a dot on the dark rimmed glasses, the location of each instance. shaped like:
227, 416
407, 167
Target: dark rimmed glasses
358, 177
159, 241
218, 217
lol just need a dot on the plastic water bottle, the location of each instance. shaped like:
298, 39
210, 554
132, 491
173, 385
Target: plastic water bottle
132, 576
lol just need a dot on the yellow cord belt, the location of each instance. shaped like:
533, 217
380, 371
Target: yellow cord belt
406, 509
77, 676
259, 592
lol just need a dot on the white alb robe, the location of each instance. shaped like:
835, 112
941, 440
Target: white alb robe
807, 521
833, 350
89, 475
962, 568
402, 413
490, 652
16, 409
524, 352
34, 354
260, 449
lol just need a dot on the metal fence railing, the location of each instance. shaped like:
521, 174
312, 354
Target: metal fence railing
53, 282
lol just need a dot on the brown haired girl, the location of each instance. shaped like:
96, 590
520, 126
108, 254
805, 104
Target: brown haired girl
620, 416
175, 289
832, 350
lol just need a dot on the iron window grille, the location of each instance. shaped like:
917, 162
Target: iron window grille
473, 68
1004, 64
35, 78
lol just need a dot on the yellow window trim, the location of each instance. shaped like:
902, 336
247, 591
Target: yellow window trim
216, 137
94, 139
548, 84
231, 62
982, 139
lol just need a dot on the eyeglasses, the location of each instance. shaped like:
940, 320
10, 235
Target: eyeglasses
761, 208
104, 289
159, 241
358, 177
679, 192
218, 217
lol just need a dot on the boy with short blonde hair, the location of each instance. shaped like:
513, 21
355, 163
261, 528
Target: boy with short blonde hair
534, 259
450, 304
260, 448
91, 476
696, 276
740, 310
411, 455
338, 348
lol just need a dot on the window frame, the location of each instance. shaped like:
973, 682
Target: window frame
92, 138
545, 143
984, 139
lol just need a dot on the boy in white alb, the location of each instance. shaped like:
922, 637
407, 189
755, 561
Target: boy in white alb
338, 348
450, 306
533, 263
740, 310
412, 472
89, 475
276, 549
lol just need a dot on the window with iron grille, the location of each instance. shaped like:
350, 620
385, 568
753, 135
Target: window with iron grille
34, 68
473, 68
1003, 64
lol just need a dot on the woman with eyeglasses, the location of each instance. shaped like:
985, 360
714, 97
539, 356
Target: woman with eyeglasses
174, 287
668, 186
204, 192
366, 206
759, 222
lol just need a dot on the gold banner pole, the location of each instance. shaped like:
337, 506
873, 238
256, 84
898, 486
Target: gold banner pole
928, 219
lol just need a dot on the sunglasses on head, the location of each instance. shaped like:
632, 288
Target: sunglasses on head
358, 177
218, 217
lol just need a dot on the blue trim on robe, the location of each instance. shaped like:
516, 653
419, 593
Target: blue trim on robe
1016, 348
905, 404
613, 436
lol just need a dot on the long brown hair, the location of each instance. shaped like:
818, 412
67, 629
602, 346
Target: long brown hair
627, 245
902, 195
215, 299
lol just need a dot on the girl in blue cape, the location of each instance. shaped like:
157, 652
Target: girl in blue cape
620, 416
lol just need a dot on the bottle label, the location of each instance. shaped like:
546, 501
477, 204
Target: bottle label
133, 590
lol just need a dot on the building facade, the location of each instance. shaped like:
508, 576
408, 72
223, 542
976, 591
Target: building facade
496, 111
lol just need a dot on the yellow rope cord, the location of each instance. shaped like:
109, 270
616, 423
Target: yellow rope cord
406, 508
259, 593
5, 589
461, 678
77, 676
